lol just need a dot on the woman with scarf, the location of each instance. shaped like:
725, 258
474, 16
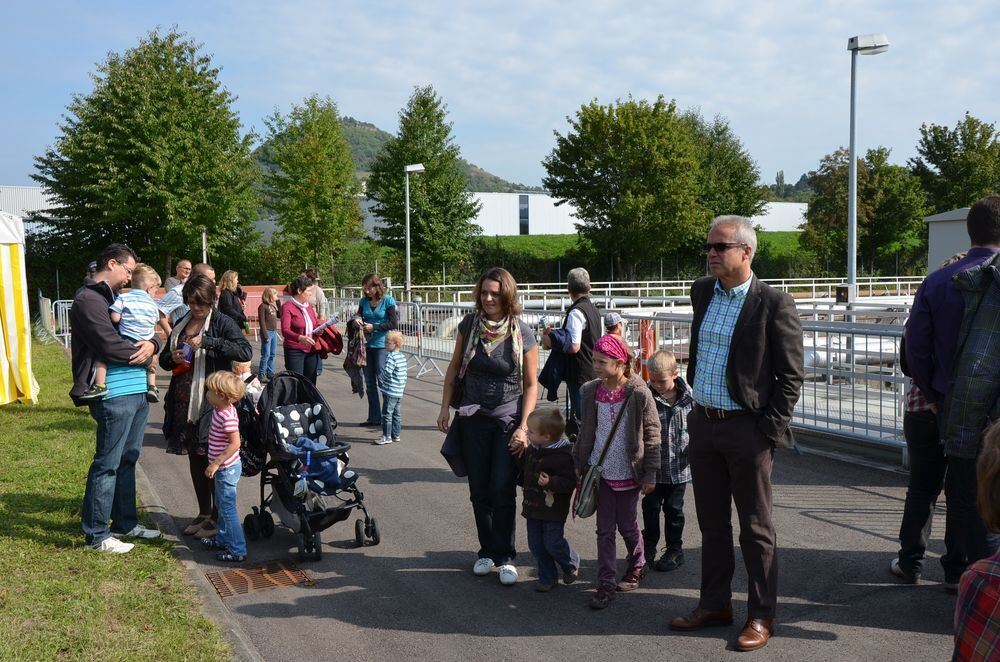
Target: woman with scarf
298, 319
492, 381
202, 342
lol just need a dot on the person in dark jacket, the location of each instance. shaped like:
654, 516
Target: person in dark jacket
230, 302
549, 478
121, 415
202, 342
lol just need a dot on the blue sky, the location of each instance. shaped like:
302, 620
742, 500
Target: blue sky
512, 71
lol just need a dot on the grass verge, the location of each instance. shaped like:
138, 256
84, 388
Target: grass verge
59, 600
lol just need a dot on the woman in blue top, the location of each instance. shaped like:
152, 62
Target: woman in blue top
378, 314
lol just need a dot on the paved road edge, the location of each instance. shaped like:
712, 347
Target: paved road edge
211, 604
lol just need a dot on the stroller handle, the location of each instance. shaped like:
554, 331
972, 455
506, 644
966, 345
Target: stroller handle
336, 448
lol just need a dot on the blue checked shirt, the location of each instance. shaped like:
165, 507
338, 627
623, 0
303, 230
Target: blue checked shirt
716, 332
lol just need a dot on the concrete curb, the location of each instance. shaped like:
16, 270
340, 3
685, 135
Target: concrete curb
211, 604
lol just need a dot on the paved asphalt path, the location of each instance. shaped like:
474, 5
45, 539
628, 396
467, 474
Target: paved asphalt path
414, 595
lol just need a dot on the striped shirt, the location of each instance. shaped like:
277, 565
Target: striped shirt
714, 336
224, 421
977, 612
392, 379
172, 304
139, 314
125, 380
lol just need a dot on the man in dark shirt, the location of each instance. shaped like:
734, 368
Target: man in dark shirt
109, 501
932, 333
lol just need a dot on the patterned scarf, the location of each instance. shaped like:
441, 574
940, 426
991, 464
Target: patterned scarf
491, 335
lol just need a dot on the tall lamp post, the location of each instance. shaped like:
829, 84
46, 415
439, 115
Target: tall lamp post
414, 167
866, 44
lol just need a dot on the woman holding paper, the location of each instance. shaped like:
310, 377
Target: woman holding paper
298, 321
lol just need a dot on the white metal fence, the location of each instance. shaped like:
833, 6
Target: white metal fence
854, 386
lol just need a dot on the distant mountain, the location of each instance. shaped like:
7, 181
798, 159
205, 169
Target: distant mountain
366, 139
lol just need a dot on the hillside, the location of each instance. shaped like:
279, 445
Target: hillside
366, 139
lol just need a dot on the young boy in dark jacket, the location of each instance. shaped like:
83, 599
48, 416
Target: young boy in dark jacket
673, 403
548, 480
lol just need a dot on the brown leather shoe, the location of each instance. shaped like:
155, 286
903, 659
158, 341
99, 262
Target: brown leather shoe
702, 618
755, 634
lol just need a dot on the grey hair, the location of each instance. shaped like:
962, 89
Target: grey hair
578, 281
743, 229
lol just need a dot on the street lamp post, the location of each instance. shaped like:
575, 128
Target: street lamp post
866, 44
415, 167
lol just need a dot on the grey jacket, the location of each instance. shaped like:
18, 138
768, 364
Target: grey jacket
642, 428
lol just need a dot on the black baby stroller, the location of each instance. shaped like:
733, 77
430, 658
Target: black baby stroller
306, 468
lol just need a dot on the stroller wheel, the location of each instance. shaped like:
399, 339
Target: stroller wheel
317, 545
301, 539
266, 522
251, 527
375, 534
359, 532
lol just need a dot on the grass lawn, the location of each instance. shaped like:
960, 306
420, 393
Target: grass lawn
59, 600
539, 246
783, 243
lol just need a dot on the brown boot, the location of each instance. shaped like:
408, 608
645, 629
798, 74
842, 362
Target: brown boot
702, 618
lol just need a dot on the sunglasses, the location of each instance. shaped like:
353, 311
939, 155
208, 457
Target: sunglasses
722, 246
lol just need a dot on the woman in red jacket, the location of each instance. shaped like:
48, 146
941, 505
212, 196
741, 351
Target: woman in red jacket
298, 319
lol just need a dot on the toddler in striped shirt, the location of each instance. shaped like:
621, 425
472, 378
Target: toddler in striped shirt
391, 382
224, 467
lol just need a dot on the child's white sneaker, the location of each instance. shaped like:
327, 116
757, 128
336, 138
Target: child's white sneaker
382, 441
508, 574
112, 545
395, 440
482, 567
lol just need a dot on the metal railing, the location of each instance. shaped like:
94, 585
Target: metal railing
853, 383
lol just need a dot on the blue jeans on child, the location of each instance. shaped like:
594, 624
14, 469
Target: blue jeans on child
547, 542
392, 416
109, 499
268, 348
230, 528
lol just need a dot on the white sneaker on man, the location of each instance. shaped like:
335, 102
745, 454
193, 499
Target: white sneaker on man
382, 441
508, 574
142, 532
482, 567
112, 545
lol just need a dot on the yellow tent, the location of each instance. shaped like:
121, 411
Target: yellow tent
16, 380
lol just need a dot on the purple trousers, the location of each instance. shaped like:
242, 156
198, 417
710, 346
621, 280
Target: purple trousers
617, 510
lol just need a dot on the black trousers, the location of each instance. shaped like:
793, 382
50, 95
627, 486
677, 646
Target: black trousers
927, 469
667, 498
970, 539
731, 462
492, 487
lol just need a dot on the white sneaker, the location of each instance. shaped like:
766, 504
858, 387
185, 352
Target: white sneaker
482, 567
395, 440
382, 441
112, 545
508, 575
142, 532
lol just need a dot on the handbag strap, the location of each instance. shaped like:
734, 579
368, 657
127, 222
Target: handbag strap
614, 428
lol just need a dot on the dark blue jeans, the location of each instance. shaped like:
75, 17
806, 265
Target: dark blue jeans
573, 390
375, 357
491, 485
305, 364
110, 493
547, 542
927, 469
669, 499
971, 539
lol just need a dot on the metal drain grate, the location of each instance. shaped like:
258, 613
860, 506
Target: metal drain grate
240, 581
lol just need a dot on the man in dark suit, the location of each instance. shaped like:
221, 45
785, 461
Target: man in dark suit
745, 368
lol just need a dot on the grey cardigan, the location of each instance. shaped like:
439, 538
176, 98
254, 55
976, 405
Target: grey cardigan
642, 429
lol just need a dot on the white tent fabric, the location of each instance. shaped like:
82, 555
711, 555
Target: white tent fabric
16, 379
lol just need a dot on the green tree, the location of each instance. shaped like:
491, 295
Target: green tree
310, 185
150, 157
728, 178
958, 166
441, 211
890, 212
631, 171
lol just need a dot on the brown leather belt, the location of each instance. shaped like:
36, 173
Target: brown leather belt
721, 414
